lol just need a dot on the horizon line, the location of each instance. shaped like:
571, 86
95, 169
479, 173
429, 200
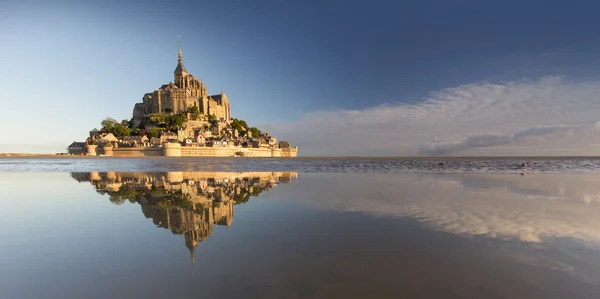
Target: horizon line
65, 155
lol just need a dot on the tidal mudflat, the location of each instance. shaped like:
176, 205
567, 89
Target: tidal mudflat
235, 230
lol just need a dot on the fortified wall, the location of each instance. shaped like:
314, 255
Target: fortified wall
177, 150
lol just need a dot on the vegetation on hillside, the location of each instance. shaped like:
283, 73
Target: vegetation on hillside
170, 122
195, 113
242, 127
111, 125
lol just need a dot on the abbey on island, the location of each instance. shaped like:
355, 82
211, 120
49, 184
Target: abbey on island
181, 119
177, 97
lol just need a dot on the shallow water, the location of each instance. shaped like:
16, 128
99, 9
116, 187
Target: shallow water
266, 234
320, 165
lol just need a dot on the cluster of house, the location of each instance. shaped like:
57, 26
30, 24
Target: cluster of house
222, 134
193, 133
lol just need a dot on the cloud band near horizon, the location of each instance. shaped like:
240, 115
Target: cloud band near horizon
550, 115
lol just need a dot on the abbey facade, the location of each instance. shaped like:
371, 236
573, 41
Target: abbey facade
177, 97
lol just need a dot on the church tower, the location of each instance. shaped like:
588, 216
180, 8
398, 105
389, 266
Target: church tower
191, 242
180, 73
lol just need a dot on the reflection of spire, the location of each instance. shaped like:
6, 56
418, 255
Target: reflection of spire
191, 241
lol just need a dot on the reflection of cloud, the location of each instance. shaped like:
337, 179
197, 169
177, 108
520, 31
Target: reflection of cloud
556, 216
550, 114
573, 187
530, 208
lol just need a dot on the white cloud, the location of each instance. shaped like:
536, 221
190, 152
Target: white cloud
524, 117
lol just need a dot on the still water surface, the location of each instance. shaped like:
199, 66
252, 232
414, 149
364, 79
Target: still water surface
308, 164
299, 235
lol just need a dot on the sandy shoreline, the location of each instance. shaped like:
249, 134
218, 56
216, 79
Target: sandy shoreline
54, 156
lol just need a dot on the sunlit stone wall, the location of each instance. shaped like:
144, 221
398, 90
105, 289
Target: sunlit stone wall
176, 150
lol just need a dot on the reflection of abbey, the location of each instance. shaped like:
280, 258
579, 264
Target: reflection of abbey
186, 203
186, 92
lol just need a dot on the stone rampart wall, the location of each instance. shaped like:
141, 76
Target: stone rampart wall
190, 151
176, 150
289, 152
137, 151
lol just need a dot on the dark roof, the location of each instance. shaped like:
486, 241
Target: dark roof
216, 97
180, 68
168, 86
77, 144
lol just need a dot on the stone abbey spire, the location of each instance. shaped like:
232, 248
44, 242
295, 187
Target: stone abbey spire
180, 72
179, 55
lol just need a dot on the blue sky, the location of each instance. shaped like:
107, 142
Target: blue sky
68, 64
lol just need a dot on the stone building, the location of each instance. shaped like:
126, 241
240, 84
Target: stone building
177, 97
77, 148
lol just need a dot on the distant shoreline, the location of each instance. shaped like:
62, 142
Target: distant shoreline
447, 158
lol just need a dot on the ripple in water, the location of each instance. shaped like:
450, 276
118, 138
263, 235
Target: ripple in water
324, 165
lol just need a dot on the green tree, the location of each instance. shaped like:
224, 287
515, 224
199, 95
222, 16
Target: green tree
255, 132
243, 197
236, 124
212, 118
111, 125
174, 122
152, 133
157, 118
256, 191
108, 124
124, 194
194, 111
120, 130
